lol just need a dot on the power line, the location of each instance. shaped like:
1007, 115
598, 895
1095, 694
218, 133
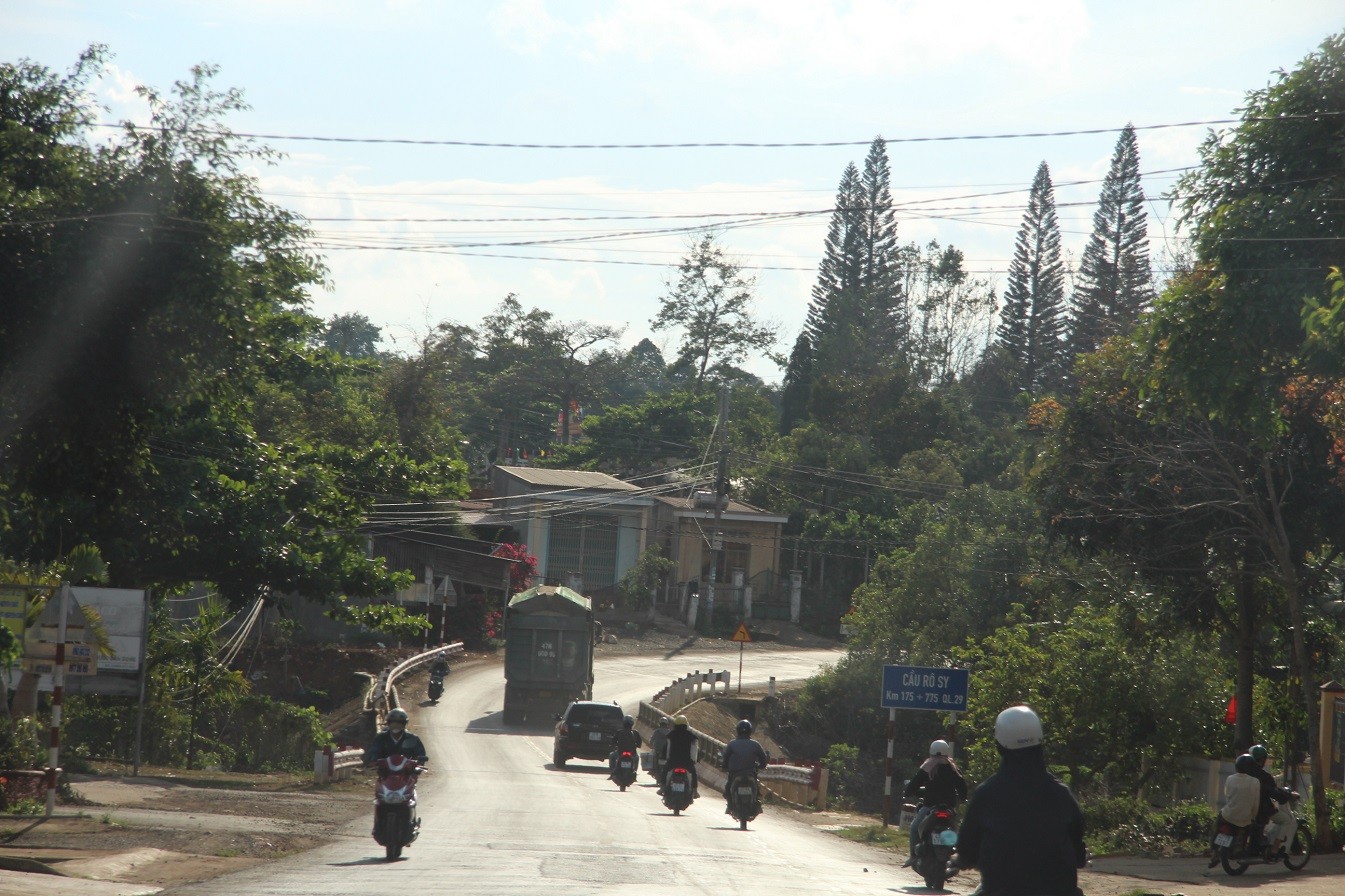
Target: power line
726, 144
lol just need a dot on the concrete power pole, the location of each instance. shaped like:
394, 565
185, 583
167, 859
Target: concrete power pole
721, 499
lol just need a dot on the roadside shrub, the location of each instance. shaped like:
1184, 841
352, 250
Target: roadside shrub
846, 778
21, 742
1130, 826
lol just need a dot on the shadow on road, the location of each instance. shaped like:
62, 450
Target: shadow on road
685, 645
371, 860
493, 723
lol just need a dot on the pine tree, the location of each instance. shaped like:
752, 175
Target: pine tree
857, 323
797, 385
838, 274
1032, 324
1115, 279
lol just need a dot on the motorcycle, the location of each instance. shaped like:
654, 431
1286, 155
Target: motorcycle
623, 773
677, 790
396, 824
1236, 849
744, 798
436, 688
936, 847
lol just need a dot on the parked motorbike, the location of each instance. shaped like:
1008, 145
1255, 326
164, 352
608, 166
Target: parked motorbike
677, 790
744, 798
936, 847
1236, 848
625, 770
436, 688
396, 824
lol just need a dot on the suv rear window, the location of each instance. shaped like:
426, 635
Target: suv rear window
592, 715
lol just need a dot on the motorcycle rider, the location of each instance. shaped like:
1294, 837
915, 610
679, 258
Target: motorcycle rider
625, 739
680, 751
396, 740
658, 742
440, 665
1242, 798
1274, 804
1023, 827
742, 755
937, 783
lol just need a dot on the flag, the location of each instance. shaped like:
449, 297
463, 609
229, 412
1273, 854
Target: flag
1231, 714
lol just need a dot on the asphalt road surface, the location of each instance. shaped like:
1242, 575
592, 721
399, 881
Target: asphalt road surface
498, 819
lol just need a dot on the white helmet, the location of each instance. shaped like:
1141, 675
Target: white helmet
1018, 727
940, 748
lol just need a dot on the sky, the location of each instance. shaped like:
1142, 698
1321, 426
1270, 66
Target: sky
418, 226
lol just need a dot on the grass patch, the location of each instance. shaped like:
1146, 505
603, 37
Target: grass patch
873, 834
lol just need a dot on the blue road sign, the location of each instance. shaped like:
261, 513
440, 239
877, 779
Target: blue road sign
919, 687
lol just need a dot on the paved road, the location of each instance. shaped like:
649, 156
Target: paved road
499, 820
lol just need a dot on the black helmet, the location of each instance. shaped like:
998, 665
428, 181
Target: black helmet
628, 722
1259, 753
744, 728
396, 716
1245, 763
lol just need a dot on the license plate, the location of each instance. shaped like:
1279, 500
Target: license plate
595, 735
1223, 840
678, 788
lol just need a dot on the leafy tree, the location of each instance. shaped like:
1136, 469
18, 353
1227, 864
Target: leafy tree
711, 305
964, 565
641, 580
1099, 677
1217, 392
1032, 322
950, 312
535, 365
636, 375
352, 336
1115, 280
154, 302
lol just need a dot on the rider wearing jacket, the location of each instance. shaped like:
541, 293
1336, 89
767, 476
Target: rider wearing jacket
440, 665
1274, 801
742, 755
396, 740
937, 783
1023, 827
680, 751
625, 739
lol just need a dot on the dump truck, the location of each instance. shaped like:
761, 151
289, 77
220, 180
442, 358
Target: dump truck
548, 653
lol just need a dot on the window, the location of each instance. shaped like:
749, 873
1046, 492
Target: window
584, 545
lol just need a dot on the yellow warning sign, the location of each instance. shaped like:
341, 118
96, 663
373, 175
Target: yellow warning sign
742, 635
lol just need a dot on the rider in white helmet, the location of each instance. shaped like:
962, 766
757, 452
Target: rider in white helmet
937, 783
1023, 827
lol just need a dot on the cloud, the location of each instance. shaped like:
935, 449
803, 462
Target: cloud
863, 36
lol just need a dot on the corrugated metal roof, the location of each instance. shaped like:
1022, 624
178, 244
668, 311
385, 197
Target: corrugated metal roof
547, 595
735, 507
568, 479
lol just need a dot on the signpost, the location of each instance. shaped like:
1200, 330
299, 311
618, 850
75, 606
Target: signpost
918, 687
742, 636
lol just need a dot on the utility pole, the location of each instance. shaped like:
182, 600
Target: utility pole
721, 498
